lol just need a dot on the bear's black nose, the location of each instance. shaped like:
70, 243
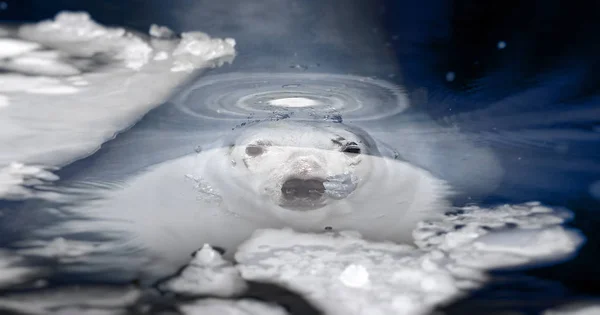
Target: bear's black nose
307, 189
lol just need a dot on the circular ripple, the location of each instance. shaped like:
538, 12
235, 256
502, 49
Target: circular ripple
305, 95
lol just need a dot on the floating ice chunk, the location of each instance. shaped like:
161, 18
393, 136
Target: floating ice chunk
225, 307
136, 55
196, 47
341, 273
501, 44
466, 224
450, 76
505, 236
17, 179
78, 34
75, 26
110, 99
382, 278
376, 278
340, 186
161, 32
546, 242
207, 274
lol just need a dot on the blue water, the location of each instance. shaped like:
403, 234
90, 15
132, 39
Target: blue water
519, 77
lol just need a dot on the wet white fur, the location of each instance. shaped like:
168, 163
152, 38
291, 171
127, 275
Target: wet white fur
164, 215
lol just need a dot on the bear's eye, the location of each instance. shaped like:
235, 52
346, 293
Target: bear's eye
351, 148
254, 150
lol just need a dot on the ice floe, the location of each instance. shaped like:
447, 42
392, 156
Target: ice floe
72, 83
340, 273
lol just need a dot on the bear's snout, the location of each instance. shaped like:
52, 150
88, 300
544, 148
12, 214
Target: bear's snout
306, 166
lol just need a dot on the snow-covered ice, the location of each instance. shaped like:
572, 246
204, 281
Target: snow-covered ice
341, 273
344, 274
208, 274
91, 75
523, 234
75, 84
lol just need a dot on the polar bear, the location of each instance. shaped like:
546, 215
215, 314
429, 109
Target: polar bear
310, 176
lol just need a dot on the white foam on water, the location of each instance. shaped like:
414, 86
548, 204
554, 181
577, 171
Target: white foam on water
324, 268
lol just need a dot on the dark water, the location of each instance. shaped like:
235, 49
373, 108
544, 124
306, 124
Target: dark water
520, 77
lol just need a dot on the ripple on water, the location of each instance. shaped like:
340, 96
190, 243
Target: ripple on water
260, 95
